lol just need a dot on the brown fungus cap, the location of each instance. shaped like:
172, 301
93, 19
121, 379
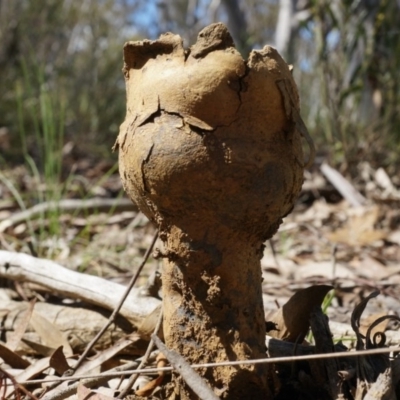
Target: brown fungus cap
209, 139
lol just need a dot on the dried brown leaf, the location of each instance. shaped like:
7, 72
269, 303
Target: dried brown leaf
58, 361
30, 372
148, 389
372, 268
12, 387
360, 228
33, 370
11, 358
50, 334
291, 321
20, 328
146, 328
39, 348
375, 336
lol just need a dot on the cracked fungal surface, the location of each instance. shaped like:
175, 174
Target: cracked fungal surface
210, 150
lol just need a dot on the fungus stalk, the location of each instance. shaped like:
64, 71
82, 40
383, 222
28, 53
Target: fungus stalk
210, 151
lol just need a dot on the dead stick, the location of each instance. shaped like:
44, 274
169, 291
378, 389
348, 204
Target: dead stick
16, 385
120, 372
343, 186
192, 378
92, 289
74, 205
134, 377
97, 380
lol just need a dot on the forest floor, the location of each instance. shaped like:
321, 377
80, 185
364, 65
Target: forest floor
341, 233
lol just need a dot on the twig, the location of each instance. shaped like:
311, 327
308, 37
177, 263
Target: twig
334, 263
117, 308
89, 382
276, 360
343, 186
134, 377
17, 386
76, 205
192, 378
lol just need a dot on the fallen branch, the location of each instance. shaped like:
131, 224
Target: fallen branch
75, 205
92, 289
343, 186
78, 323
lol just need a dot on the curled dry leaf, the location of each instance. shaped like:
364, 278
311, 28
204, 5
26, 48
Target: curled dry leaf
356, 318
375, 336
374, 372
366, 324
291, 321
149, 388
58, 361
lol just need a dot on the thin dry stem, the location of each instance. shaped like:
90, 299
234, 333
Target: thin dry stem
228, 363
144, 361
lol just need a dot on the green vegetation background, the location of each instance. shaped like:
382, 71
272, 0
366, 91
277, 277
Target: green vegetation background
63, 95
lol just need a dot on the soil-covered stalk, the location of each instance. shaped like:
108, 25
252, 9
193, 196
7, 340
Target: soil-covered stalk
213, 308
210, 150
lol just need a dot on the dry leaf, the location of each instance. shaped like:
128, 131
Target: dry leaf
146, 328
105, 355
383, 180
324, 269
38, 348
86, 394
367, 322
291, 321
31, 372
50, 334
371, 268
21, 327
11, 358
369, 368
59, 362
359, 229
148, 389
